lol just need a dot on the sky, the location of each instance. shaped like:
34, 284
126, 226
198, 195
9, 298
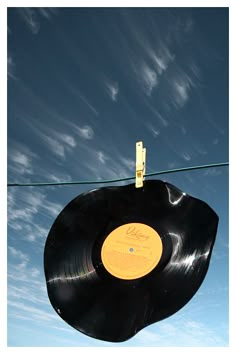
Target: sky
84, 84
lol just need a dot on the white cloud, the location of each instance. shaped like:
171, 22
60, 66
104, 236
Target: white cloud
112, 89
67, 139
182, 332
85, 131
95, 166
155, 132
35, 272
54, 145
22, 277
58, 143
145, 75
53, 208
129, 163
148, 337
23, 208
161, 119
18, 254
181, 87
171, 165
189, 25
78, 95
149, 70
161, 63
27, 292
11, 66
47, 12
32, 16
212, 172
29, 16
149, 78
22, 163
33, 311
161, 58
58, 177
20, 159
102, 157
186, 156
20, 259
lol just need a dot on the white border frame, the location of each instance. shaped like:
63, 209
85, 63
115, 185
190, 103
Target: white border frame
4, 4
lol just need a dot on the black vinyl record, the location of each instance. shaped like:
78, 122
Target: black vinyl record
118, 259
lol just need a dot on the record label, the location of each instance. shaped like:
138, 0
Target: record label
131, 251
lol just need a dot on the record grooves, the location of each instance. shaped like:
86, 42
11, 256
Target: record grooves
118, 259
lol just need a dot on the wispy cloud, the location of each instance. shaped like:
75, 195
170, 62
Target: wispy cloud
100, 163
11, 68
161, 63
149, 58
147, 77
189, 25
128, 163
18, 254
182, 332
78, 95
54, 145
102, 157
48, 12
57, 177
27, 294
31, 16
59, 143
22, 163
155, 132
53, 208
33, 311
20, 159
66, 138
112, 89
181, 88
30, 203
85, 131
149, 337
24, 206
183, 130
161, 57
161, 119
186, 156
212, 172
158, 64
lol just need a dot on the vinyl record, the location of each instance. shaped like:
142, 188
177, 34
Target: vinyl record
118, 259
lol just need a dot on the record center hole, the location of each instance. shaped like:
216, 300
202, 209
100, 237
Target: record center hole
131, 249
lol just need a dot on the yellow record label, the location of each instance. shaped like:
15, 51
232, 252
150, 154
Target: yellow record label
131, 251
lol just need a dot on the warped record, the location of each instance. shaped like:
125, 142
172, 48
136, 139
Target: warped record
118, 259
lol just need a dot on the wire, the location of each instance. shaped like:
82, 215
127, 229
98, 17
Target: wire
118, 179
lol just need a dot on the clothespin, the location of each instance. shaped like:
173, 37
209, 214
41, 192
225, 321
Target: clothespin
140, 164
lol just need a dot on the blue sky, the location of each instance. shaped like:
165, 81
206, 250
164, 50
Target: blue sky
83, 86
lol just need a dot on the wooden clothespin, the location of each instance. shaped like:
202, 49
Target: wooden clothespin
140, 164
